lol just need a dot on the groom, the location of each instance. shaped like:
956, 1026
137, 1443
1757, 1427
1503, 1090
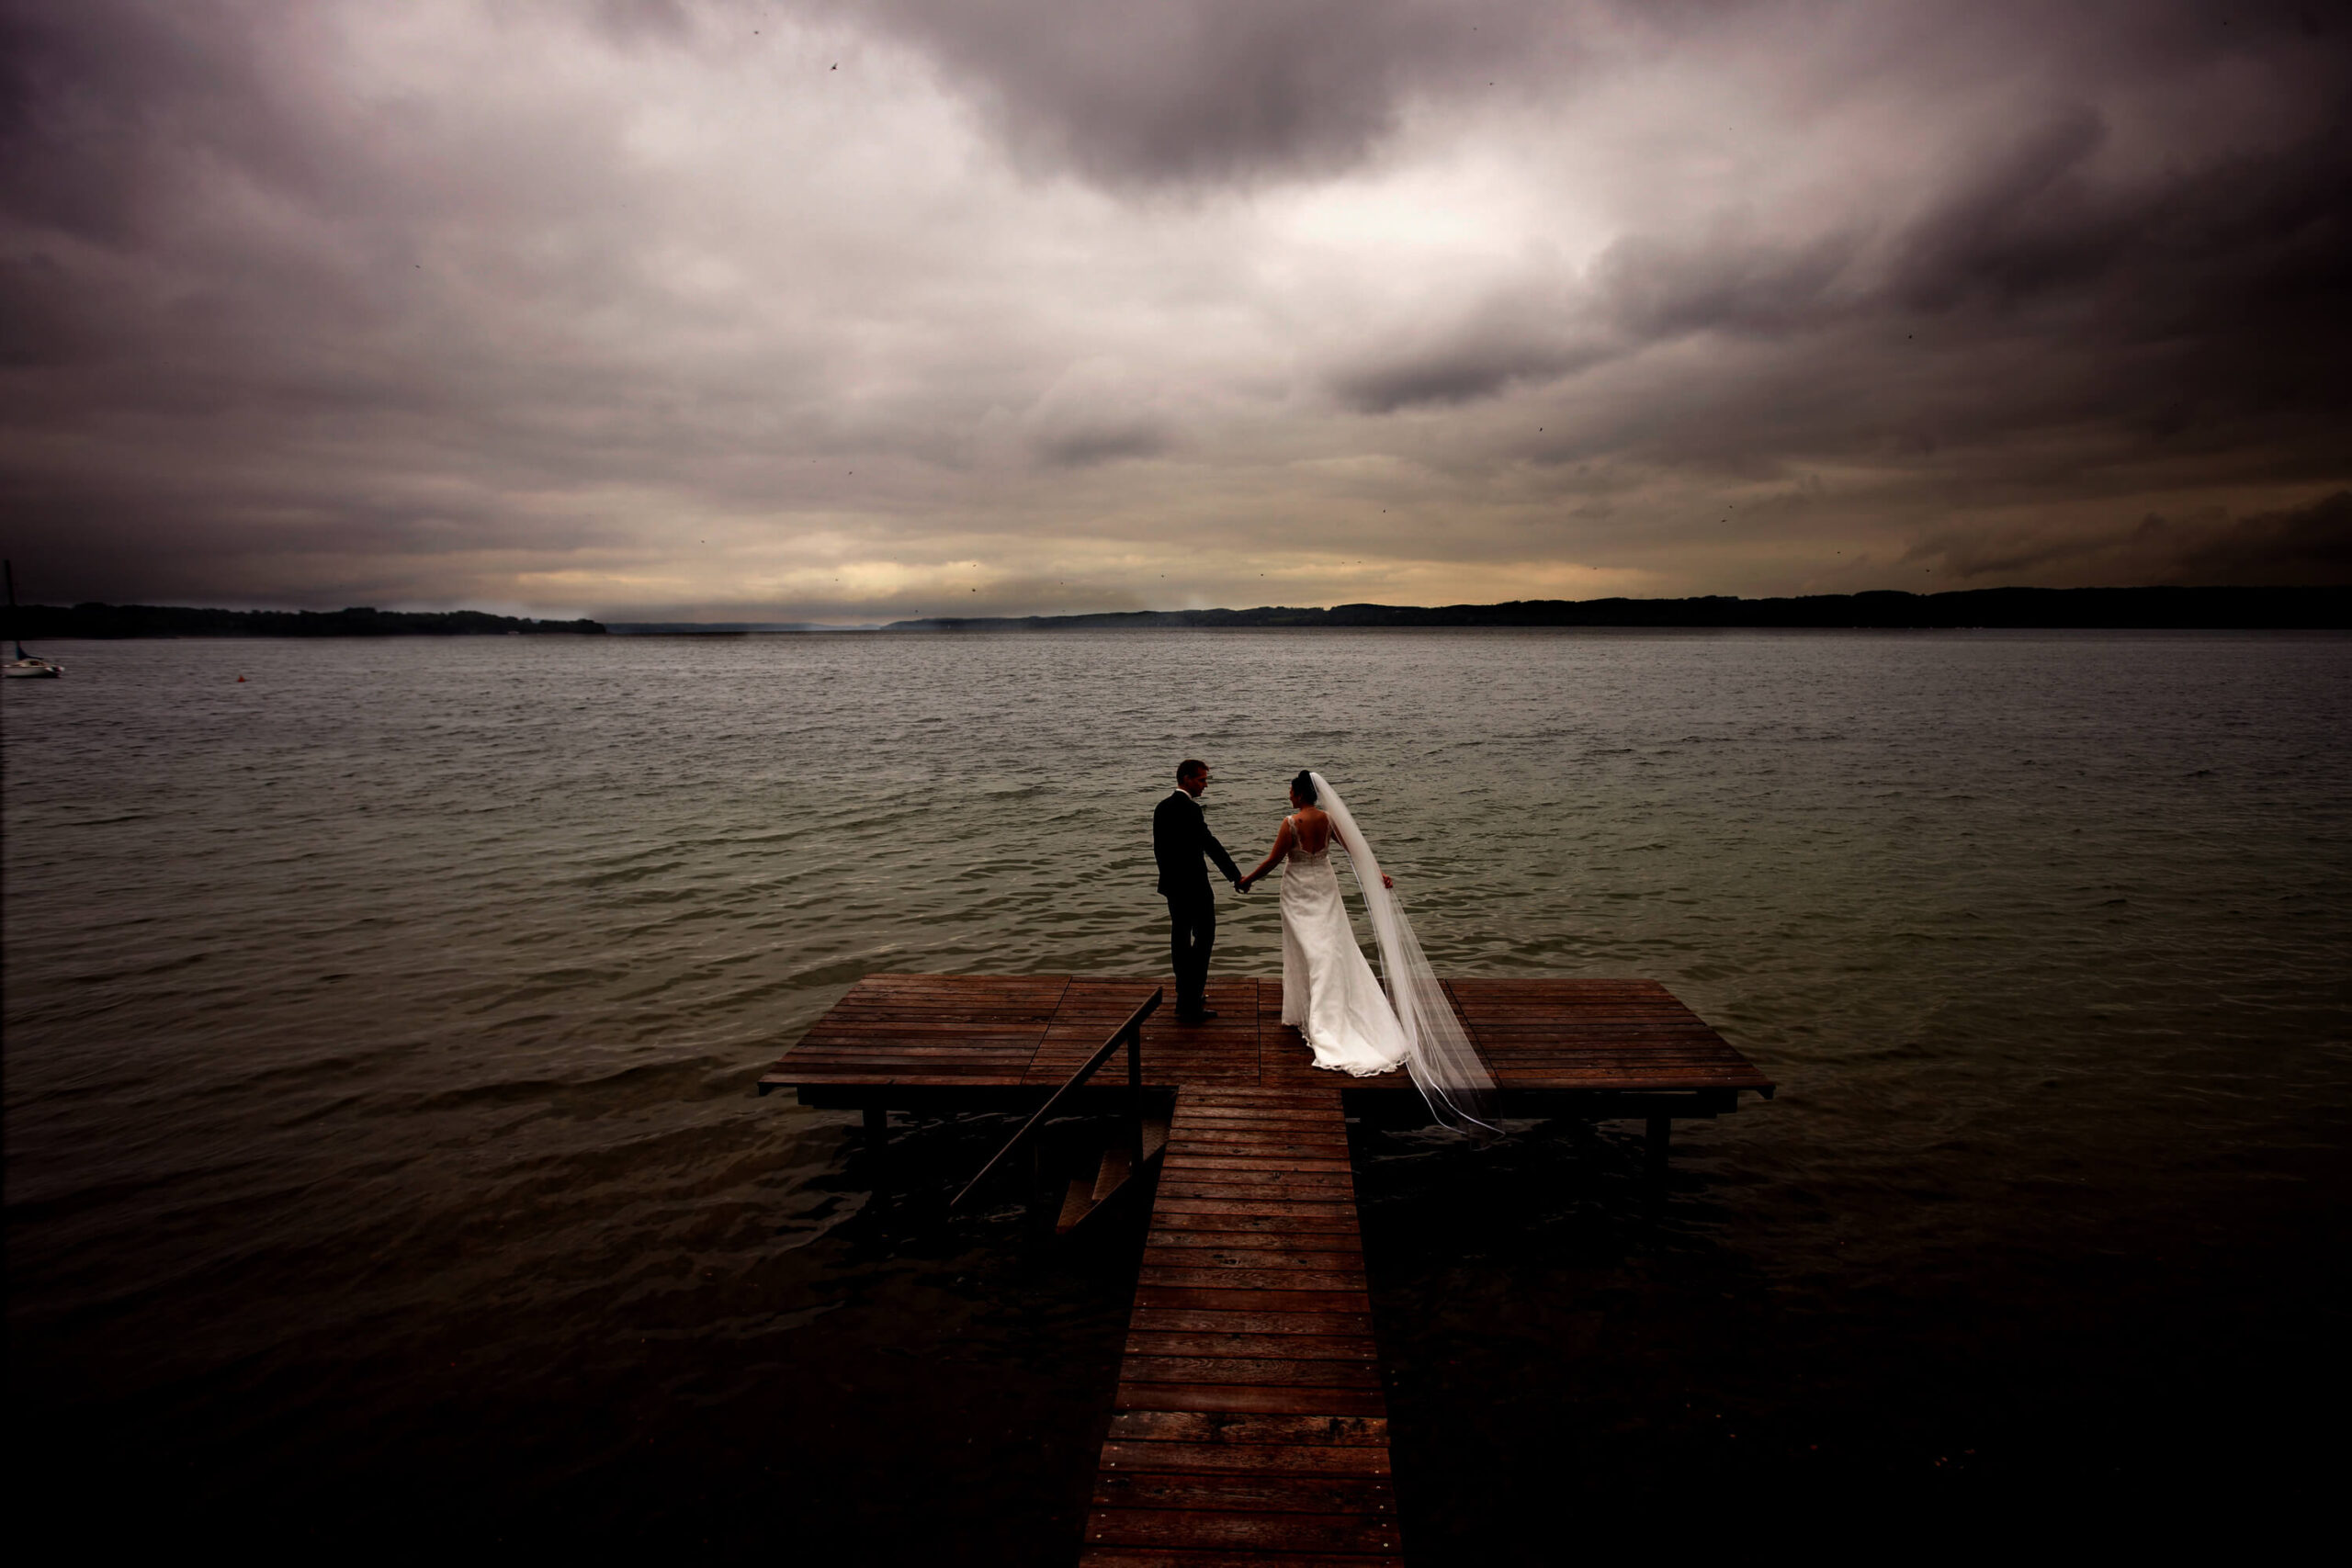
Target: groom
1179, 837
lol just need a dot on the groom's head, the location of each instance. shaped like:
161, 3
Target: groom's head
1192, 775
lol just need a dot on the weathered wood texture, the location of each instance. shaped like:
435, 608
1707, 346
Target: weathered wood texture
1248, 1426
989, 1033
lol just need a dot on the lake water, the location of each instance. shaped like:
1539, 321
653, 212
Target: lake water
384, 1168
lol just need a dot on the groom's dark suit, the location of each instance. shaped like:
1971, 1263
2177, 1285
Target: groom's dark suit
1179, 837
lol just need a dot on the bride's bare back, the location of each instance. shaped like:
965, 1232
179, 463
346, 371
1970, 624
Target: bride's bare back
1306, 830
1310, 830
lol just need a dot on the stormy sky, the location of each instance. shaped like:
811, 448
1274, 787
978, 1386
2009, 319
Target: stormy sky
847, 309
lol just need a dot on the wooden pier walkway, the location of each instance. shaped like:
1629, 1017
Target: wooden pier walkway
1248, 1417
1249, 1425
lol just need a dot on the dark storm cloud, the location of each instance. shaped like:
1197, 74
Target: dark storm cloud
2307, 544
1103, 444
2236, 275
1144, 93
1644, 290
834, 304
1518, 335
2063, 308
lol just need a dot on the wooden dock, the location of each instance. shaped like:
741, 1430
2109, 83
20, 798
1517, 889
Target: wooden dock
1249, 1425
1597, 1048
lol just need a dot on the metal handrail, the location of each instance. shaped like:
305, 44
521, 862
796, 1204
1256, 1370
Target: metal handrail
1131, 1032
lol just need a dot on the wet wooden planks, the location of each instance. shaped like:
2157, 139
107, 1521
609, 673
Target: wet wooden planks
1612, 1034
1222, 1051
1249, 1426
934, 1030
938, 1032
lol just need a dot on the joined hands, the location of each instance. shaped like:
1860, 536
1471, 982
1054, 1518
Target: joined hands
1241, 884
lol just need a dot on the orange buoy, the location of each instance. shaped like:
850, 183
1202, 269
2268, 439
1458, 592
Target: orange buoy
241, 680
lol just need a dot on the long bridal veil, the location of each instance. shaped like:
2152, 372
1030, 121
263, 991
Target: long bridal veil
1443, 1062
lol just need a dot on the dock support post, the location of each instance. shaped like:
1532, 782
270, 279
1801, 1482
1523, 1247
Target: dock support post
1660, 1135
1135, 1094
877, 1129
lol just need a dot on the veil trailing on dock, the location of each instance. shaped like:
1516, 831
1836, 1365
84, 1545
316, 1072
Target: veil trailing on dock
1445, 1065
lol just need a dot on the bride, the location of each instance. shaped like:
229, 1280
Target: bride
1329, 992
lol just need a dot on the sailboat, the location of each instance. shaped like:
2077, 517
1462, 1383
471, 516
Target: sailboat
24, 666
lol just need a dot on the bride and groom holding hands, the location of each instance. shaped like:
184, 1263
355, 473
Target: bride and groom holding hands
1329, 994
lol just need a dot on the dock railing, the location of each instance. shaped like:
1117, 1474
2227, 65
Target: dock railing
1129, 1033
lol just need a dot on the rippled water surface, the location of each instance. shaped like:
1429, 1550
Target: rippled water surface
383, 1163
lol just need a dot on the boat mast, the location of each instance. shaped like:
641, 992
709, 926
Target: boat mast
8, 571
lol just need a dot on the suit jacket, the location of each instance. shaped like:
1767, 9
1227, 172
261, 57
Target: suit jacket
1179, 837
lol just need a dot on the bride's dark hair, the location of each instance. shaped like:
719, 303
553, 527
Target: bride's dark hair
1303, 786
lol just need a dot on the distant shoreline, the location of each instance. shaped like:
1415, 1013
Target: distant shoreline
2018, 609
2052, 609
112, 622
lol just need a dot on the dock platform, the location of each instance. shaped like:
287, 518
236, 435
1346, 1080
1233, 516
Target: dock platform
1249, 1425
1599, 1048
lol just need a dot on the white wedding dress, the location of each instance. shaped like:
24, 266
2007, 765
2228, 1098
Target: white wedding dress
1331, 997
1329, 994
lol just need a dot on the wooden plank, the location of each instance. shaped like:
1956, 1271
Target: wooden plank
1204, 1161
1177, 1427
1302, 1459
1198, 1528
1282, 1241
947, 1023
1220, 1320
1352, 1347
1257, 1119
1258, 1398
1189, 1204
1266, 1492
1258, 1372
1331, 1169
1225, 1261
1307, 1151
956, 1063
976, 1079
1198, 1247
1252, 1117
1318, 1230
1212, 1168
1187, 1276
1243, 1194
1629, 1076
1324, 1183
866, 1049
1156, 1557
1331, 1141
1270, 1142
945, 1075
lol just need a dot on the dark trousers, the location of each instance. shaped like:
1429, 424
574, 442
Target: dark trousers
1192, 933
